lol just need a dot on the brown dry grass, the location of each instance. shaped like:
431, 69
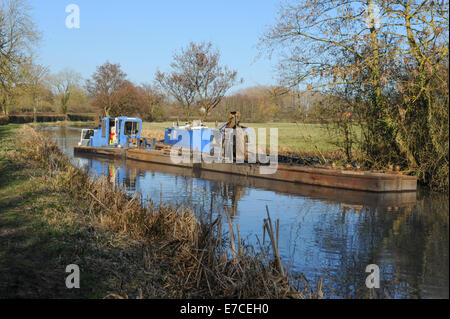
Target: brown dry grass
182, 256
157, 134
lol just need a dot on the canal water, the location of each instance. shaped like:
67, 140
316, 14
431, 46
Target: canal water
325, 233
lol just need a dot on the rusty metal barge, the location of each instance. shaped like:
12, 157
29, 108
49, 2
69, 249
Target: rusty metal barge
121, 138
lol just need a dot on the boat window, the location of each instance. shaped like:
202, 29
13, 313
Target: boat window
87, 134
131, 128
103, 128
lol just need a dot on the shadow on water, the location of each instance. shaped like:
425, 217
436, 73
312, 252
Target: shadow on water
324, 233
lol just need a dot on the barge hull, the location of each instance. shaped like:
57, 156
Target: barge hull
104, 151
353, 180
334, 178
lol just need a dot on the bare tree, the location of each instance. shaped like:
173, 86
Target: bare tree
198, 78
104, 82
18, 36
155, 98
34, 77
178, 87
63, 83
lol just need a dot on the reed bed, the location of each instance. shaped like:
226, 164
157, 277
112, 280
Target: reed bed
186, 257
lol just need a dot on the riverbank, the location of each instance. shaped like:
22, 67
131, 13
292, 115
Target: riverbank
53, 215
79, 124
22, 118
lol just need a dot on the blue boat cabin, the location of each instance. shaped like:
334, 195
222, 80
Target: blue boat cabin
116, 132
197, 138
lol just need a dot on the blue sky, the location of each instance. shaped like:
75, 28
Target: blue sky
143, 35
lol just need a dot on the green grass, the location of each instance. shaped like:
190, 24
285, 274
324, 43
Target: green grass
299, 137
296, 137
33, 251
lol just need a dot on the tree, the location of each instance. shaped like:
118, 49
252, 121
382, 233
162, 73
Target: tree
198, 78
130, 100
34, 76
155, 98
180, 88
377, 50
18, 37
79, 100
334, 43
104, 82
421, 115
63, 84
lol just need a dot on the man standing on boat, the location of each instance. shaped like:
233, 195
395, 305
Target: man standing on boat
112, 137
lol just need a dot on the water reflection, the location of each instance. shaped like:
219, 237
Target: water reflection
324, 233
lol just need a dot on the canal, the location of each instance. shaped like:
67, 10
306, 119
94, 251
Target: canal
325, 233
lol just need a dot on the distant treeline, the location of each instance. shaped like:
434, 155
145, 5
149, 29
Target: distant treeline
45, 117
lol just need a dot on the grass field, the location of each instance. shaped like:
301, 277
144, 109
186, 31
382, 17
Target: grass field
300, 138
